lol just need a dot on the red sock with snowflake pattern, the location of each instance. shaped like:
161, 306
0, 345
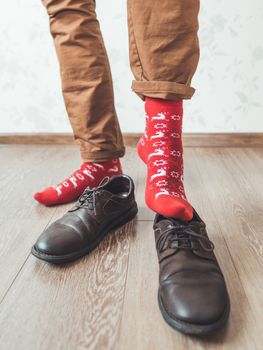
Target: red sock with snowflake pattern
164, 188
88, 175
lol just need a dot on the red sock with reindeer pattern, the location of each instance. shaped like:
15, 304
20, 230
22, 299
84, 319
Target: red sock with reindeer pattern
88, 175
165, 192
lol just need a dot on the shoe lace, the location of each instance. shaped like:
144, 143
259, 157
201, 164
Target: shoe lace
88, 197
181, 237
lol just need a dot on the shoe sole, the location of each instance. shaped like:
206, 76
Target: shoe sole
62, 259
191, 328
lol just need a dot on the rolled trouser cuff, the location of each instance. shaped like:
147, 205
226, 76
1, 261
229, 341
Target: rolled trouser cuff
162, 89
101, 156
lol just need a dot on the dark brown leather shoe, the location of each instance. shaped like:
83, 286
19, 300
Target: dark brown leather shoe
192, 295
82, 228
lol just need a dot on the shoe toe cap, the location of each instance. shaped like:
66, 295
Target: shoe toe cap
200, 302
58, 240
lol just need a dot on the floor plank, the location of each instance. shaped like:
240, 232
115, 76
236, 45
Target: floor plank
77, 306
26, 171
240, 220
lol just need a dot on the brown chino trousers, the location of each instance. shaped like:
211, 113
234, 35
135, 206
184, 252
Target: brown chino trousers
164, 53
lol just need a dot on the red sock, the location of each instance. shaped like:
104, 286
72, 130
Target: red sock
142, 148
165, 189
142, 145
89, 174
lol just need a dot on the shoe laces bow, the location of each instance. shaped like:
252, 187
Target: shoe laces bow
182, 237
88, 197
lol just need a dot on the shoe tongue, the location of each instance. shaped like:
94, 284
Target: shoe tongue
164, 223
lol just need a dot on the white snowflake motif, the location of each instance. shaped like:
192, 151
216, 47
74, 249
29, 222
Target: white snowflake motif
160, 126
175, 153
175, 174
161, 183
182, 178
159, 143
181, 189
175, 135
160, 162
176, 117
175, 194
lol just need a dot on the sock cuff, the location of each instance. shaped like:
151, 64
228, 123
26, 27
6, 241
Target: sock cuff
152, 104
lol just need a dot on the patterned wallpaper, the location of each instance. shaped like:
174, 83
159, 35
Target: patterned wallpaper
228, 81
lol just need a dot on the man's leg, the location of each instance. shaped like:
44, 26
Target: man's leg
88, 94
164, 53
192, 293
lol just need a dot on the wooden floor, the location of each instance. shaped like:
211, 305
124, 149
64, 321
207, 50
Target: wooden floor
107, 300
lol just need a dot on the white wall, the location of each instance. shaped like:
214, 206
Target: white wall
228, 81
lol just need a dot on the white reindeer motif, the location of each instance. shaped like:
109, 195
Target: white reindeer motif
80, 176
91, 167
157, 135
73, 180
160, 172
159, 116
157, 152
88, 173
58, 189
115, 169
162, 191
99, 165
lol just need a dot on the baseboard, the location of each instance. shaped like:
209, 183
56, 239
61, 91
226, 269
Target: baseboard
130, 139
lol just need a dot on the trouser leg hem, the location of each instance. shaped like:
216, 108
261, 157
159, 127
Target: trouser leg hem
162, 89
101, 156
